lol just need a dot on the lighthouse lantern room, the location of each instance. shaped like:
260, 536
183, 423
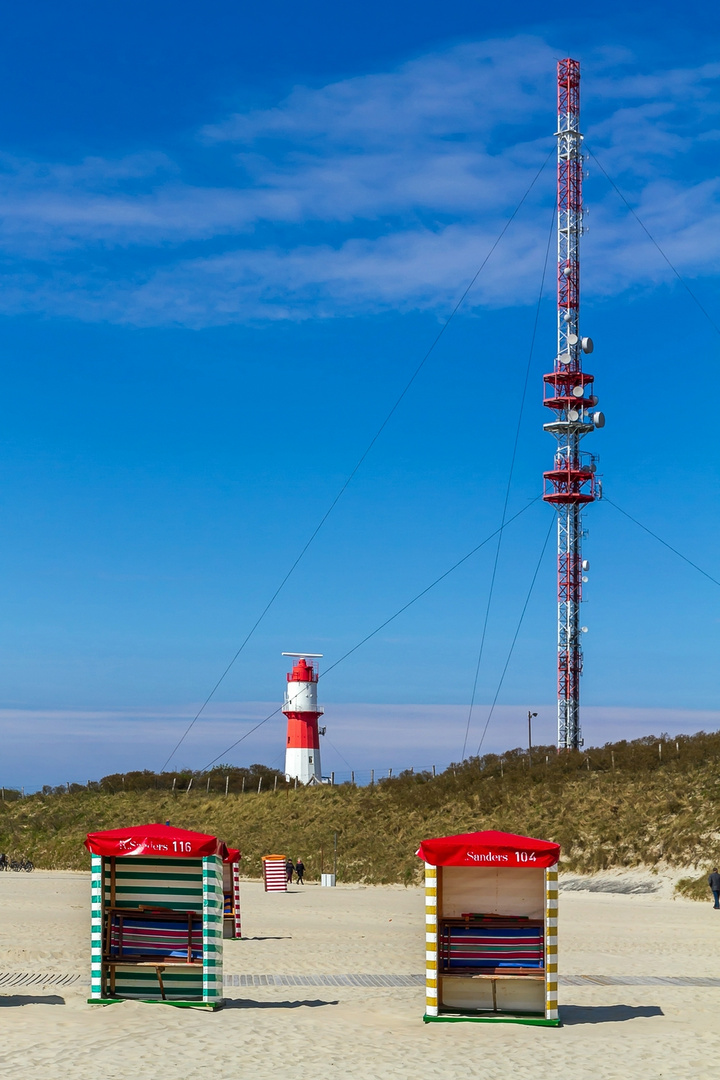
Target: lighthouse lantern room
302, 753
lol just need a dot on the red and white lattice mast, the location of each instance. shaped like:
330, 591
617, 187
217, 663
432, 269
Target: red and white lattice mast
302, 752
571, 483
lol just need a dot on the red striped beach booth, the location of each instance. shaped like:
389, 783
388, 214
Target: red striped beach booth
157, 916
231, 894
274, 873
491, 910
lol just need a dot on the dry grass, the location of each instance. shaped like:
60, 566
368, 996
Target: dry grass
625, 805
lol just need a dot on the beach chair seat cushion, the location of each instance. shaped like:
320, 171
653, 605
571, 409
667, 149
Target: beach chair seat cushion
491, 947
135, 936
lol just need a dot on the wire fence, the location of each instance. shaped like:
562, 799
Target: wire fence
228, 781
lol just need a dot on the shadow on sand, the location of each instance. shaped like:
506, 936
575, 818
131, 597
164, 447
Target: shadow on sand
278, 937
606, 1014
30, 999
248, 1003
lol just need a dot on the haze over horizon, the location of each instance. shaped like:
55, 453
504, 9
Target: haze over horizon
228, 239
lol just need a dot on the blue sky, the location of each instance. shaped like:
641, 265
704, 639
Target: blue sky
227, 239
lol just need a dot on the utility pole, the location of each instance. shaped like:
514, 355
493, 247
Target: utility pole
571, 483
530, 720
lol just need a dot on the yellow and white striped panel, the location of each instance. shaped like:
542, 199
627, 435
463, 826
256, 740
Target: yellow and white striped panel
431, 962
551, 942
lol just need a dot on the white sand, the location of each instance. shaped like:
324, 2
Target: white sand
646, 1032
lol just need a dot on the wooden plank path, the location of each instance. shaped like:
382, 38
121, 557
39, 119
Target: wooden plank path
419, 980
10, 979
34, 978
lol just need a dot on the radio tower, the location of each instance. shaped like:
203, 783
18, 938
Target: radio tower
571, 483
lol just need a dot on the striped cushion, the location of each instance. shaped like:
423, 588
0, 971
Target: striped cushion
478, 947
155, 937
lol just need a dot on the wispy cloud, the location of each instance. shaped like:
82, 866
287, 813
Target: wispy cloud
376, 192
81, 744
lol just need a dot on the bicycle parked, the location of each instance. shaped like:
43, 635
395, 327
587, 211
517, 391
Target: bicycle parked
16, 864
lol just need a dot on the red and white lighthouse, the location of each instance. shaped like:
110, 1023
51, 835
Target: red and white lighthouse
302, 753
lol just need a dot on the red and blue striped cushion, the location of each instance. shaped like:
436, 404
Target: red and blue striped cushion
155, 937
492, 947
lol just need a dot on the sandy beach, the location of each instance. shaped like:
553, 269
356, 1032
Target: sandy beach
646, 1031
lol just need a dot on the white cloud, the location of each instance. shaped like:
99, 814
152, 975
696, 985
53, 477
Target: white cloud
376, 192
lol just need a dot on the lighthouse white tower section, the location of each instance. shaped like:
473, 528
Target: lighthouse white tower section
302, 753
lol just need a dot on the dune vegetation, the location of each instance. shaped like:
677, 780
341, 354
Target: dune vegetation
648, 803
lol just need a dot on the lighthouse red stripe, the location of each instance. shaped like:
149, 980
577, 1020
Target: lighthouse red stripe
302, 731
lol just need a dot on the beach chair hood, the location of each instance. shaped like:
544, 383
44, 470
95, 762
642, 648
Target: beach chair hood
489, 848
157, 840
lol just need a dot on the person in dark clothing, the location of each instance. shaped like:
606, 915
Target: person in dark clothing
289, 868
714, 883
300, 870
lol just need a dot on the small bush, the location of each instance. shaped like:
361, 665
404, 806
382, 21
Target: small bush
694, 888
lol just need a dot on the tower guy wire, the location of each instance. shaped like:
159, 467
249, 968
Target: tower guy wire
509, 482
358, 464
653, 241
515, 637
661, 541
382, 625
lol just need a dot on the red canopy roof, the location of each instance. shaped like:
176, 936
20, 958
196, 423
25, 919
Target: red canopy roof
160, 840
489, 848
233, 855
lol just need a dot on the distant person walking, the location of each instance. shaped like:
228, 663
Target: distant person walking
714, 883
300, 870
289, 868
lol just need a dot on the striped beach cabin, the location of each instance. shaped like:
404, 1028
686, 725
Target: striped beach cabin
491, 911
157, 916
275, 873
231, 894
